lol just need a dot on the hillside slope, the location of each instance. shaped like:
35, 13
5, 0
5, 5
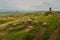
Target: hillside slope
34, 26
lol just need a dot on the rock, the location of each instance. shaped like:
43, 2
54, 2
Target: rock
29, 20
44, 24
30, 27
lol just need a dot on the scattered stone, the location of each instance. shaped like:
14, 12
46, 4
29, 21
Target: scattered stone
44, 24
30, 27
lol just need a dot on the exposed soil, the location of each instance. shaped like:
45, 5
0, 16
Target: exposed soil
39, 34
54, 34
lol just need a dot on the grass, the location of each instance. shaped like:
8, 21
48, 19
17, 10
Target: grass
4, 21
17, 34
31, 33
58, 38
50, 27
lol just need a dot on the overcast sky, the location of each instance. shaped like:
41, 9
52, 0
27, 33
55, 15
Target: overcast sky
29, 4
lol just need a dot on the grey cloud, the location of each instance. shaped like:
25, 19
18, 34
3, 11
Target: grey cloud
29, 4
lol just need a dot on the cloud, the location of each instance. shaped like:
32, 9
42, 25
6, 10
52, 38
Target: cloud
29, 4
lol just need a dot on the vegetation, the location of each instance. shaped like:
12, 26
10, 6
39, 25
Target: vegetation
30, 26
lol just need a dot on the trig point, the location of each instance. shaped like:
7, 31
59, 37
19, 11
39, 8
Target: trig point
50, 9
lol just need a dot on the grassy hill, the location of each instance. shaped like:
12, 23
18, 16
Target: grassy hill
30, 26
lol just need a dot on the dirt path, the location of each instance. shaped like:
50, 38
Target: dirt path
54, 35
39, 33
